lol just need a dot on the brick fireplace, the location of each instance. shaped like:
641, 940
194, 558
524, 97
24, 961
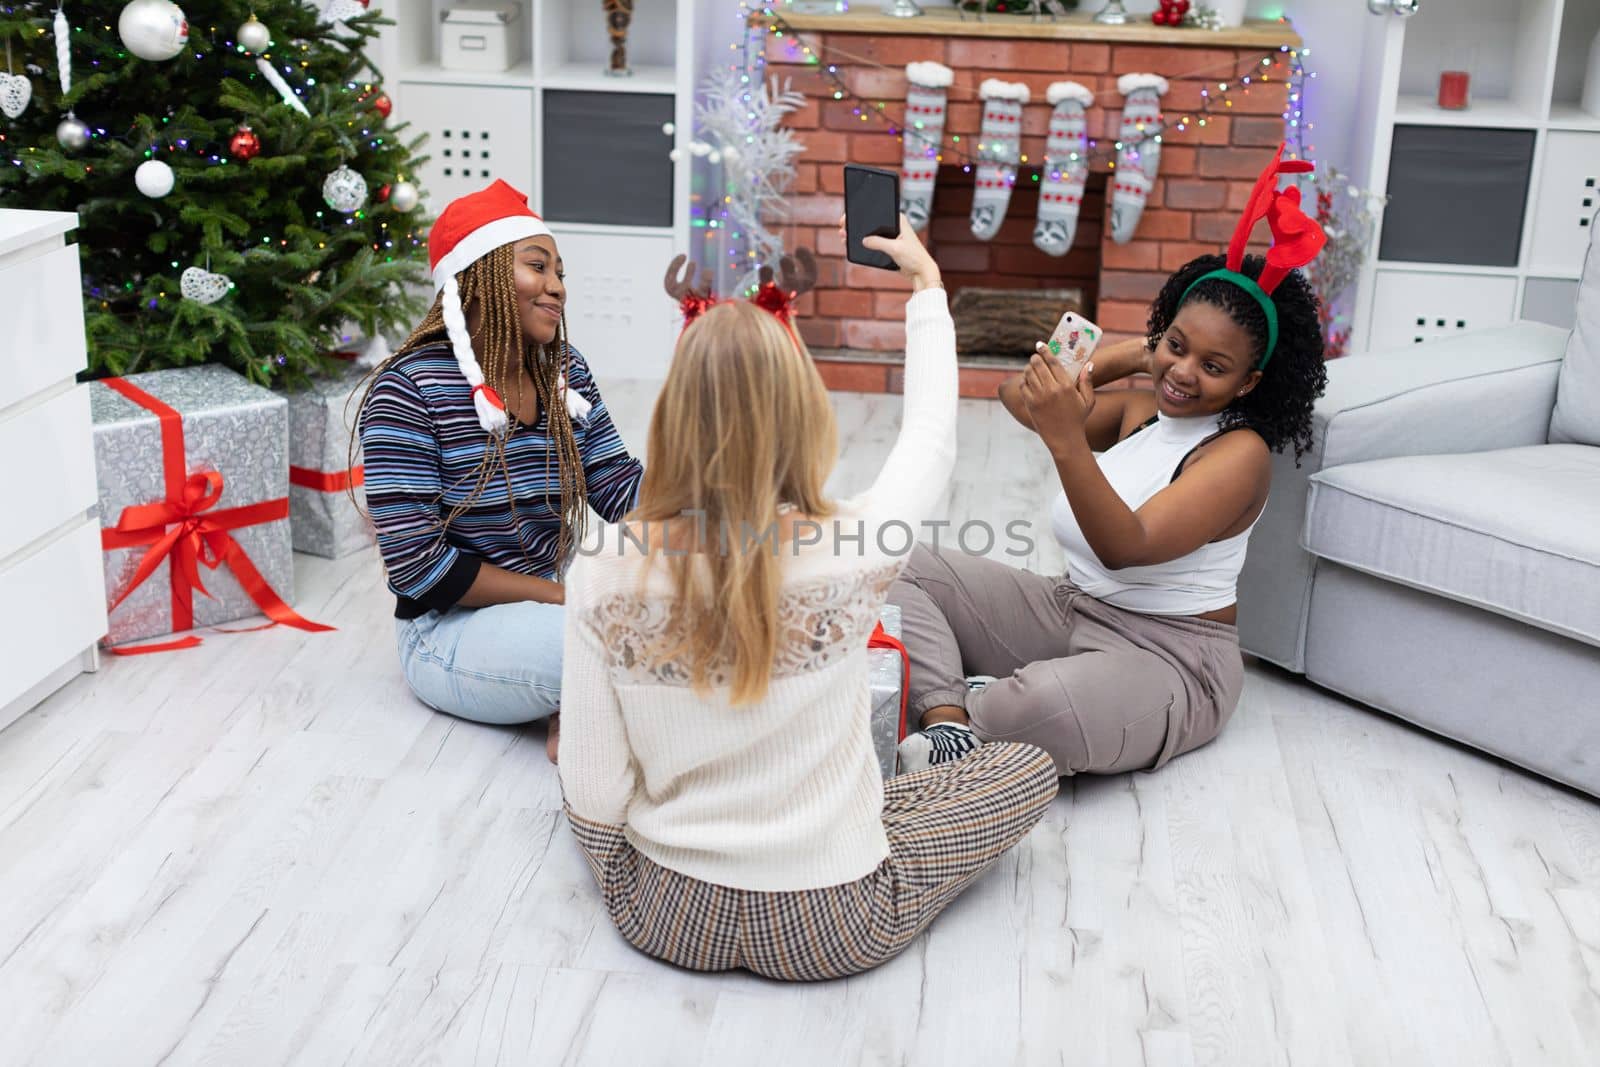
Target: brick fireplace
854, 320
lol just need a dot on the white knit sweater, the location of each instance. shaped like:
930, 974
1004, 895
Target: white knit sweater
785, 793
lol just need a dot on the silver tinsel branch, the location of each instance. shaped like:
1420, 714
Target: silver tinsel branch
1349, 216
742, 135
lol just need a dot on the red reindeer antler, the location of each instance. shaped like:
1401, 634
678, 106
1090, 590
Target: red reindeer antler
1296, 238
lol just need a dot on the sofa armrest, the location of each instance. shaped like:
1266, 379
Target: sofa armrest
1476, 392
1482, 390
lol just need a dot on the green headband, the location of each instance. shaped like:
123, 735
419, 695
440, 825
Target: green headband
1248, 284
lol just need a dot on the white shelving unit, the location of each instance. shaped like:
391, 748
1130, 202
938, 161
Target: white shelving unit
50, 570
617, 223
1527, 60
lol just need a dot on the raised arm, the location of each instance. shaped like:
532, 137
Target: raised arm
918, 469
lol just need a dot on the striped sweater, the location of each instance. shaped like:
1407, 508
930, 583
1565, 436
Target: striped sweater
421, 443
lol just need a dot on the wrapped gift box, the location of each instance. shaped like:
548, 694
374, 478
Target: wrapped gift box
325, 521
193, 470
886, 672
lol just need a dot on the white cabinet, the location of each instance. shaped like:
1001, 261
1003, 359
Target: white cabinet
1526, 59
1411, 306
1564, 203
52, 600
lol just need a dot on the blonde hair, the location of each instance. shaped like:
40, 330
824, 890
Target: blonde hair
489, 285
742, 427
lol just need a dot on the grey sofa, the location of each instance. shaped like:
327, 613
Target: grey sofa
1437, 555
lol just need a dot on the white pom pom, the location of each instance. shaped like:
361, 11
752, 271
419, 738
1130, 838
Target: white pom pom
490, 417
675, 155
578, 405
669, 128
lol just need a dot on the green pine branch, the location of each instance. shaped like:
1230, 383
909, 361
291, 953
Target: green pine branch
302, 272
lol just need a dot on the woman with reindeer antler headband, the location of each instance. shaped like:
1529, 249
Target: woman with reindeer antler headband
486, 444
716, 757
1131, 657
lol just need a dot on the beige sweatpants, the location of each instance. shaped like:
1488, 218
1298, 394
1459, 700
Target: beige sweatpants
1101, 689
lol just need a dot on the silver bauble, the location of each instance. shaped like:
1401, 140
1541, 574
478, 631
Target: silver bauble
253, 36
404, 197
72, 133
344, 190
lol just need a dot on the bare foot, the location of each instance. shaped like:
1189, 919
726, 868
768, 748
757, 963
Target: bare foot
552, 737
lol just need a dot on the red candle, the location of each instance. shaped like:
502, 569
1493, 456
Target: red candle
1453, 89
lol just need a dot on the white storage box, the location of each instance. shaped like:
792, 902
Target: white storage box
482, 35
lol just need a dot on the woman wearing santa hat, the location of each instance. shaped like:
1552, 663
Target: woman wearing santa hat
486, 443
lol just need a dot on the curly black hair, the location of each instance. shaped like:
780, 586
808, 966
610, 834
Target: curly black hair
1279, 407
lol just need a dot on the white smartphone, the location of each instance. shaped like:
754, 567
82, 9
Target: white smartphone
1074, 339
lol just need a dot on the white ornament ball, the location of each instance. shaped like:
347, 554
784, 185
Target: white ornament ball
404, 196
675, 155
72, 134
669, 128
714, 157
153, 29
344, 190
154, 179
254, 36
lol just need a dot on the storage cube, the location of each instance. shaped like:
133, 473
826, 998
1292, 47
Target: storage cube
606, 158
482, 35
1457, 195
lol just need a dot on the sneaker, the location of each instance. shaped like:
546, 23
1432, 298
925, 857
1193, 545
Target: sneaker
944, 742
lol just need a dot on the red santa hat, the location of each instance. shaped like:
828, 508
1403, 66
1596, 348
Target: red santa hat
469, 228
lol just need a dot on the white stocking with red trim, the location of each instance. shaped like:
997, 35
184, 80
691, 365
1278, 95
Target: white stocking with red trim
1139, 157
999, 148
926, 102
1066, 168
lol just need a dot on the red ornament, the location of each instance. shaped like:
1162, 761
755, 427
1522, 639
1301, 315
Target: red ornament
383, 194
1181, 7
245, 144
383, 105
1159, 17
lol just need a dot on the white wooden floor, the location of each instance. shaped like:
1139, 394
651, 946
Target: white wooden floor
265, 851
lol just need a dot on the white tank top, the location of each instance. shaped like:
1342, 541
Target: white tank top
1138, 467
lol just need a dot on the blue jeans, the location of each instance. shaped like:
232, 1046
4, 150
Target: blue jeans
500, 664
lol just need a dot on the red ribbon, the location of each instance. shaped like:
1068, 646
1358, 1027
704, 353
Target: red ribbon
184, 530
327, 481
880, 639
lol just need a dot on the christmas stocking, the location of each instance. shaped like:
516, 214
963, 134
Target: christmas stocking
1066, 168
923, 136
1139, 158
999, 144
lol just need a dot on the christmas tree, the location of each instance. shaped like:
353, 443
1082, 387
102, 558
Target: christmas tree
242, 197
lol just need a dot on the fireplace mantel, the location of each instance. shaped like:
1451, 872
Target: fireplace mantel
1078, 26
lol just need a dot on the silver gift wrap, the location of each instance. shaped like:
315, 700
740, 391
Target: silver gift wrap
884, 674
229, 426
326, 522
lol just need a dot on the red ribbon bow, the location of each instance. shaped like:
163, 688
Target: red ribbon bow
776, 300
694, 305
1296, 239
184, 529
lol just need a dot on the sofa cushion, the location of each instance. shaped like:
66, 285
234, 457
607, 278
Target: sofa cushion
1577, 413
1516, 531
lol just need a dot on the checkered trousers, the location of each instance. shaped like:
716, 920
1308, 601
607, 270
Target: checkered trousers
946, 825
